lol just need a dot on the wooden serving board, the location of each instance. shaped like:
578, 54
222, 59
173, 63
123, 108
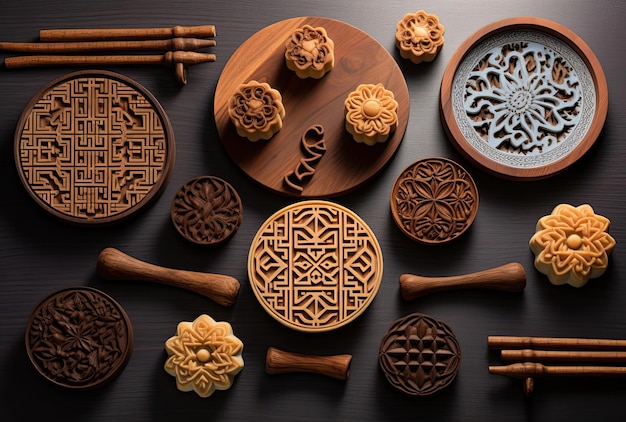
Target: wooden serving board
346, 165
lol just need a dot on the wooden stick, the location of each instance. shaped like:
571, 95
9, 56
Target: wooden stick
530, 355
512, 342
510, 277
174, 44
59, 35
281, 362
180, 59
116, 265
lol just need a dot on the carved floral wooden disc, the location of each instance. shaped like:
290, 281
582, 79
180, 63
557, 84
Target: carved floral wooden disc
315, 266
419, 355
94, 147
524, 98
79, 338
207, 210
346, 165
434, 200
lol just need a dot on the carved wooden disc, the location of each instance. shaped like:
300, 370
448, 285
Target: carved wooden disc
524, 98
94, 147
434, 200
207, 210
315, 266
419, 355
346, 165
79, 338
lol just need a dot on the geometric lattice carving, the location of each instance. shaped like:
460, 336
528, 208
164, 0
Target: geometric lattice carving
79, 338
434, 200
315, 266
93, 148
419, 355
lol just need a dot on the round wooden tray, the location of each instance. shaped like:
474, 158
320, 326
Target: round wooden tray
94, 147
315, 266
346, 164
523, 98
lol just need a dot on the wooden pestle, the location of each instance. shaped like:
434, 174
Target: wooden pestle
93, 34
509, 277
281, 362
116, 265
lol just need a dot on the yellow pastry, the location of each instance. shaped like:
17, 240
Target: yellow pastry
419, 36
256, 110
572, 245
371, 114
310, 52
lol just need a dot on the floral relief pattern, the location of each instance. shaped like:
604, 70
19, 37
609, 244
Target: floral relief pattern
310, 52
419, 36
371, 113
256, 110
204, 356
435, 200
523, 98
207, 210
572, 245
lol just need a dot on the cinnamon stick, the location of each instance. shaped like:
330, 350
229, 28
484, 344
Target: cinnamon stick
59, 35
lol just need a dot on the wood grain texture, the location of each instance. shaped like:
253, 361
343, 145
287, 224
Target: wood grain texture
40, 254
346, 165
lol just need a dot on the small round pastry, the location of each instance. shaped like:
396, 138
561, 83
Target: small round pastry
419, 355
310, 52
419, 36
256, 110
79, 338
371, 114
206, 210
434, 201
572, 245
204, 356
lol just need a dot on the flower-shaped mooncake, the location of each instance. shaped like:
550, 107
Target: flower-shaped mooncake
419, 36
256, 110
309, 52
204, 356
572, 245
371, 113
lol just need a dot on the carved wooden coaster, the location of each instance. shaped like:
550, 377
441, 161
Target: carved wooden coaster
79, 338
346, 164
207, 210
94, 147
434, 200
523, 98
315, 266
419, 355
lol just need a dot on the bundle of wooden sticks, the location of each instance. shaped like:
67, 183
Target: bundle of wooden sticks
535, 357
74, 47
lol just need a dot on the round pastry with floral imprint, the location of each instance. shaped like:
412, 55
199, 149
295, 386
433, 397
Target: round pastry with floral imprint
434, 200
371, 113
310, 52
419, 36
79, 338
419, 355
315, 266
256, 110
207, 210
204, 356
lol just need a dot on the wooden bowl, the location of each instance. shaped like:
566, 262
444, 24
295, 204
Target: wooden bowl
94, 147
523, 98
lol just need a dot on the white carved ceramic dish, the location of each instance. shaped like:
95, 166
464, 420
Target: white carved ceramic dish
523, 98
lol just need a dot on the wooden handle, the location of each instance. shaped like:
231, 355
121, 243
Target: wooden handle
513, 342
116, 265
173, 44
281, 362
510, 277
531, 355
59, 35
170, 58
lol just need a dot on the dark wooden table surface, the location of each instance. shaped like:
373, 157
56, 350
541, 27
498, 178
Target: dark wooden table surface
39, 254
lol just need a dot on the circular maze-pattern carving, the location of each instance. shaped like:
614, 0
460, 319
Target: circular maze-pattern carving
79, 338
94, 147
207, 210
315, 266
434, 200
419, 355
